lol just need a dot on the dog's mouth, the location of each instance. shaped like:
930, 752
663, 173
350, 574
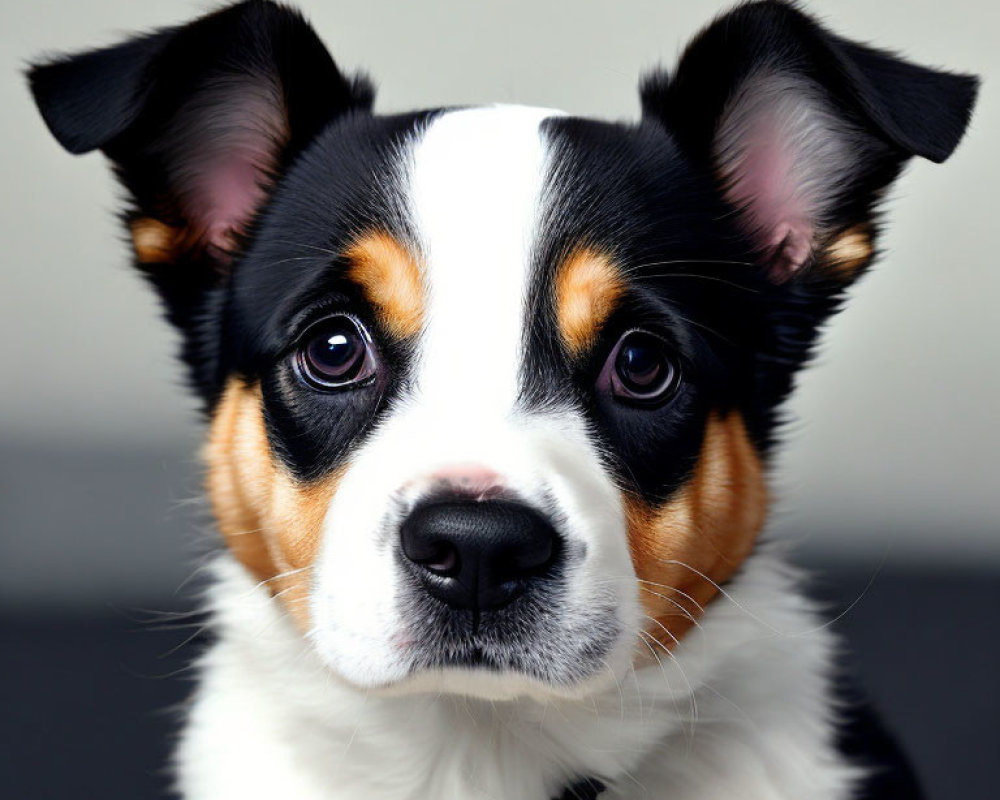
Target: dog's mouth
478, 658
534, 636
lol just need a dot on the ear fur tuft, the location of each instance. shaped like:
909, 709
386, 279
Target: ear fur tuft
803, 129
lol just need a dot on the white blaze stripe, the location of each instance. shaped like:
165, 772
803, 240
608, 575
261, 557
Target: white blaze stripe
475, 188
475, 180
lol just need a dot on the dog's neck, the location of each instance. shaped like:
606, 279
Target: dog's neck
704, 720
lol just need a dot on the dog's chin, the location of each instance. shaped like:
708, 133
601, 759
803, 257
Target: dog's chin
483, 683
537, 646
476, 677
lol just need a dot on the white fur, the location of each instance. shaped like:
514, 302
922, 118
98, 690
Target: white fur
475, 187
475, 183
740, 711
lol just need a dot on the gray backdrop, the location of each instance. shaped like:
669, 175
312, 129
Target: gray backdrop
892, 449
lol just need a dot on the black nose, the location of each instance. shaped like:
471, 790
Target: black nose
478, 555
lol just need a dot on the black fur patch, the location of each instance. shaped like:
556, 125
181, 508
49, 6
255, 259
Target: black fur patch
863, 740
292, 276
648, 193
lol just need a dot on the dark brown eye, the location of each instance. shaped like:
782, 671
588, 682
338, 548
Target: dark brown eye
640, 371
336, 353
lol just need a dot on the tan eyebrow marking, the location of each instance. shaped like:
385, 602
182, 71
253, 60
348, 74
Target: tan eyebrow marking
155, 242
849, 252
588, 285
392, 280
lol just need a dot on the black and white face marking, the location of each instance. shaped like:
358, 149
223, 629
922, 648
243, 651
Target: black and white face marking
481, 402
556, 344
475, 185
300, 259
486, 401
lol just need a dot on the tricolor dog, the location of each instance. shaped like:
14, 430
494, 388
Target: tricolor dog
491, 395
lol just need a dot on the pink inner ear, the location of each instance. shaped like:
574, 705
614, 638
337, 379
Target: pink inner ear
762, 182
241, 129
228, 195
779, 152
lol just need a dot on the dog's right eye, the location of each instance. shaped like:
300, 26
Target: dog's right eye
336, 353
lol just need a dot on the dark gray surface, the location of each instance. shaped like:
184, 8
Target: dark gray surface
922, 643
88, 538
84, 526
85, 699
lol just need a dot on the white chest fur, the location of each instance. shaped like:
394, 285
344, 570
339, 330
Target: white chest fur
741, 710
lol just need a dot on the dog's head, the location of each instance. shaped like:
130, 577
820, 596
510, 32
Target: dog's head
491, 390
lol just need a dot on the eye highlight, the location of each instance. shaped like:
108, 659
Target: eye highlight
336, 353
640, 371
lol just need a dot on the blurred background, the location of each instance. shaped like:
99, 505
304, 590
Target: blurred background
887, 485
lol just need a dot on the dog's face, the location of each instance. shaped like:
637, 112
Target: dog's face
465, 398
490, 390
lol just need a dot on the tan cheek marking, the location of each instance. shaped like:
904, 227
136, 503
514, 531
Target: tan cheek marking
847, 254
392, 281
271, 522
710, 526
588, 285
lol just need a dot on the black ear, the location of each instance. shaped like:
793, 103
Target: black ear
198, 120
805, 129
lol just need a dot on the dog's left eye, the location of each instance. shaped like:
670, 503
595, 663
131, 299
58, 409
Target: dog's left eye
336, 353
640, 370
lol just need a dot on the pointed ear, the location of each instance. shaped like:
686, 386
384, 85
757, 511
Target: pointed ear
804, 130
198, 121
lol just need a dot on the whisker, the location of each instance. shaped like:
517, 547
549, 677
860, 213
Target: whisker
325, 250
246, 532
621, 691
722, 591
288, 260
677, 663
771, 628
685, 595
871, 581
690, 262
693, 701
700, 277
357, 727
705, 328
687, 614
282, 575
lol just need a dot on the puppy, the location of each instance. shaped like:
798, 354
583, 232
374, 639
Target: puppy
491, 395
